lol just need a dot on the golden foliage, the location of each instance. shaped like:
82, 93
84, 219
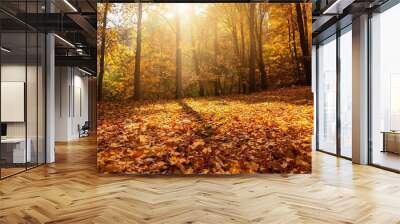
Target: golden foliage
267, 132
217, 61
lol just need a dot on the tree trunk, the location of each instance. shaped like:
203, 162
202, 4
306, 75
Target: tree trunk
137, 86
235, 43
195, 57
252, 56
102, 54
304, 44
261, 64
305, 19
217, 85
204, 45
161, 76
178, 83
293, 47
242, 86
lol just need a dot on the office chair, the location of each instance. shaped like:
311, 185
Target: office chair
84, 130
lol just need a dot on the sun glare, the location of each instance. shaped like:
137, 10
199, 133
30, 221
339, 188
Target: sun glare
182, 7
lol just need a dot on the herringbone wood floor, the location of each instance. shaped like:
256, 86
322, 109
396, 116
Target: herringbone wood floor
71, 191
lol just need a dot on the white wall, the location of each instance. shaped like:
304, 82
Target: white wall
62, 82
71, 102
16, 72
33, 127
80, 108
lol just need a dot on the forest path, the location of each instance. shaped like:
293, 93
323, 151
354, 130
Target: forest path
207, 129
258, 133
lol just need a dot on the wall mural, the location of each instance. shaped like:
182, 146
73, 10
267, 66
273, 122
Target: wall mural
196, 88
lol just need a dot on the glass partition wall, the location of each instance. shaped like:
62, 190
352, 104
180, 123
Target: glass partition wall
22, 77
335, 114
334, 84
327, 95
345, 90
385, 89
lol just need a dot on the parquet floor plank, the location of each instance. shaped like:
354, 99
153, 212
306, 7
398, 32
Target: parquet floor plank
71, 191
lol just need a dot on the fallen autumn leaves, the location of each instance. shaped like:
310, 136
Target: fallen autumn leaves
267, 132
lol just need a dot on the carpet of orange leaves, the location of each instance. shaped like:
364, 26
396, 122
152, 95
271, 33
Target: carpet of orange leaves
267, 132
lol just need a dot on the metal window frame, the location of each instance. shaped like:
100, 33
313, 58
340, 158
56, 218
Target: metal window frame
339, 32
389, 4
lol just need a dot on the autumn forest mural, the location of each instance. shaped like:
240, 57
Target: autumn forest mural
196, 88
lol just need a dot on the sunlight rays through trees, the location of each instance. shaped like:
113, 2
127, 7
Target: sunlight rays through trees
214, 49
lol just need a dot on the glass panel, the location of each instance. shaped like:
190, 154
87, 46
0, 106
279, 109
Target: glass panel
346, 94
41, 99
13, 86
32, 88
385, 93
31, 98
327, 96
22, 88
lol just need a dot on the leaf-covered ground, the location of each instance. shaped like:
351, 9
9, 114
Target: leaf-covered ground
267, 132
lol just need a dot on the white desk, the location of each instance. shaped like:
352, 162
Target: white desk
18, 151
